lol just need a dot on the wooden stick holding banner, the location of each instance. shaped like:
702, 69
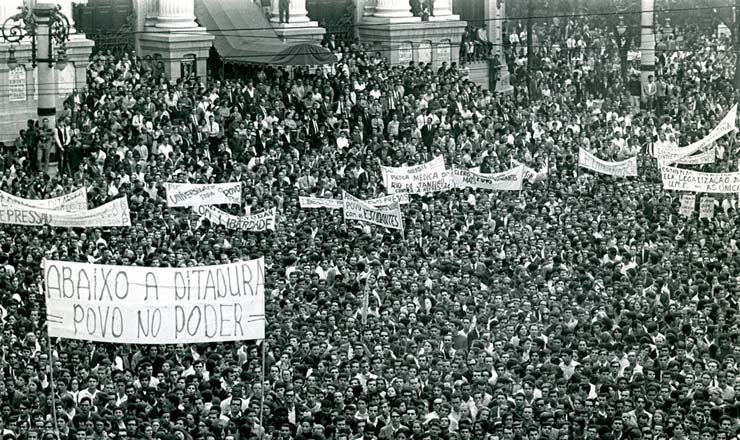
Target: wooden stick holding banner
262, 399
52, 385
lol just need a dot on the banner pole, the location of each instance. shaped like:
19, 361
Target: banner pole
262, 399
52, 386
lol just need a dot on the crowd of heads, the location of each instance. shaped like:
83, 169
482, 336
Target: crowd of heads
584, 306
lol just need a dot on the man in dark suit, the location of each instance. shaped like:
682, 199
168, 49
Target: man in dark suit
427, 132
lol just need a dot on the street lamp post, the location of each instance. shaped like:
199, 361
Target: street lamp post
46, 27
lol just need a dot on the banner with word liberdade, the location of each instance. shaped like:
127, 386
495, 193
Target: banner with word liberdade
623, 168
147, 305
73, 202
357, 209
113, 214
679, 179
320, 202
182, 195
261, 221
673, 155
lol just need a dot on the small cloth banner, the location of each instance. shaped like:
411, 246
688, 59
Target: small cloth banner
73, 202
155, 305
401, 198
624, 168
530, 174
706, 157
258, 222
113, 214
706, 207
688, 201
319, 202
395, 177
726, 125
182, 195
356, 209
680, 179
510, 180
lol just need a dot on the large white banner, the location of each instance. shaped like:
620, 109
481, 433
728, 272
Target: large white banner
72, 202
509, 180
624, 168
319, 202
726, 125
428, 181
679, 179
181, 195
709, 156
112, 214
147, 305
260, 221
356, 209
401, 198
399, 175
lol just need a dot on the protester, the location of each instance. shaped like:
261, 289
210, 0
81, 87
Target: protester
584, 306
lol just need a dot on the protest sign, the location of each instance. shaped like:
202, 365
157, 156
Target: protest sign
706, 157
181, 195
72, 202
147, 305
401, 174
401, 198
510, 180
260, 221
114, 213
687, 204
318, 202
679, 179
706, 207
530, 174
624, 168
673, 155
428, 181
356, 209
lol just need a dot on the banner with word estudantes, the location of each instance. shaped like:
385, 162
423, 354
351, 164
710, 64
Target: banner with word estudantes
679, 179
673, 155
509, 180
624, 168
357, 209
319, 202
147, 305
261, 221
72, 202
182, 195
113, 214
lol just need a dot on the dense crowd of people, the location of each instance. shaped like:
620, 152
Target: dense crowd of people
583, 306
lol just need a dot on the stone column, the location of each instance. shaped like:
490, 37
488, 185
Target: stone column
394, 11
8, 8
151, 10
443, 11
297, 12
299, 25
647, 41
66, 10
176, 14
494, 16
